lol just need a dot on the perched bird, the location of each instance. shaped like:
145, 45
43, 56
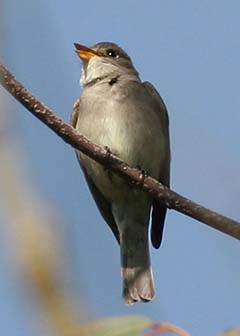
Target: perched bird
119, 111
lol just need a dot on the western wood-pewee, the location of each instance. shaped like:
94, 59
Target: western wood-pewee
119, 111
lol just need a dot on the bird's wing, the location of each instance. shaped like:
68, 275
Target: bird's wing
75, 113
102, 203
159, 209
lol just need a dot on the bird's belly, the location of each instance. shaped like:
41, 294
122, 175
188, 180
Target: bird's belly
133, 135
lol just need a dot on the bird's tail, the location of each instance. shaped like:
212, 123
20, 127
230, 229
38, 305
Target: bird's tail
137, 275
137, 284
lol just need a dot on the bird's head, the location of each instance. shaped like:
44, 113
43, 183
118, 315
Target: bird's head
104, 60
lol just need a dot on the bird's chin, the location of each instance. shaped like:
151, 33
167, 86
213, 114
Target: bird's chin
97, 67
103, 68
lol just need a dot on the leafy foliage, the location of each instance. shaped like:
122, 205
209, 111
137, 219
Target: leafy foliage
128, 326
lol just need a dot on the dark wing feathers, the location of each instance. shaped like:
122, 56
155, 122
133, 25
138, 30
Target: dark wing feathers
103, 205
159, 210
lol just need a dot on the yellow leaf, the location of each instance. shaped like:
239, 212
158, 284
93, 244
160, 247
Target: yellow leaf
232, 332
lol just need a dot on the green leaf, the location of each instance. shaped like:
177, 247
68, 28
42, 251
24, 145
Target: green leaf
117, 326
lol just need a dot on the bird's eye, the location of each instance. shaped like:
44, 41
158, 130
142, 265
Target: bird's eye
112, 53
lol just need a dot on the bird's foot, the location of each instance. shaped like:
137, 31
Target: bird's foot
142, 176
109, 172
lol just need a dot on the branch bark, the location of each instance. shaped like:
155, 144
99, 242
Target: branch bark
112, 162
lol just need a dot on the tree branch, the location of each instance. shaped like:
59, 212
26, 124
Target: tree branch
112, 162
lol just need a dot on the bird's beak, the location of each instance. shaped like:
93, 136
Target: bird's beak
85, 53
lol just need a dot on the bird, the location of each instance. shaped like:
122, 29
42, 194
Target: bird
120, 112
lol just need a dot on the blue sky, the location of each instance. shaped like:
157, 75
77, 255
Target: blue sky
190, 51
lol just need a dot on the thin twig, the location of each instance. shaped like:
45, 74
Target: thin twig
112, 162
163, 328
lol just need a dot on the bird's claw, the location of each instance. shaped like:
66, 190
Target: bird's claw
109, 172
142, 175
